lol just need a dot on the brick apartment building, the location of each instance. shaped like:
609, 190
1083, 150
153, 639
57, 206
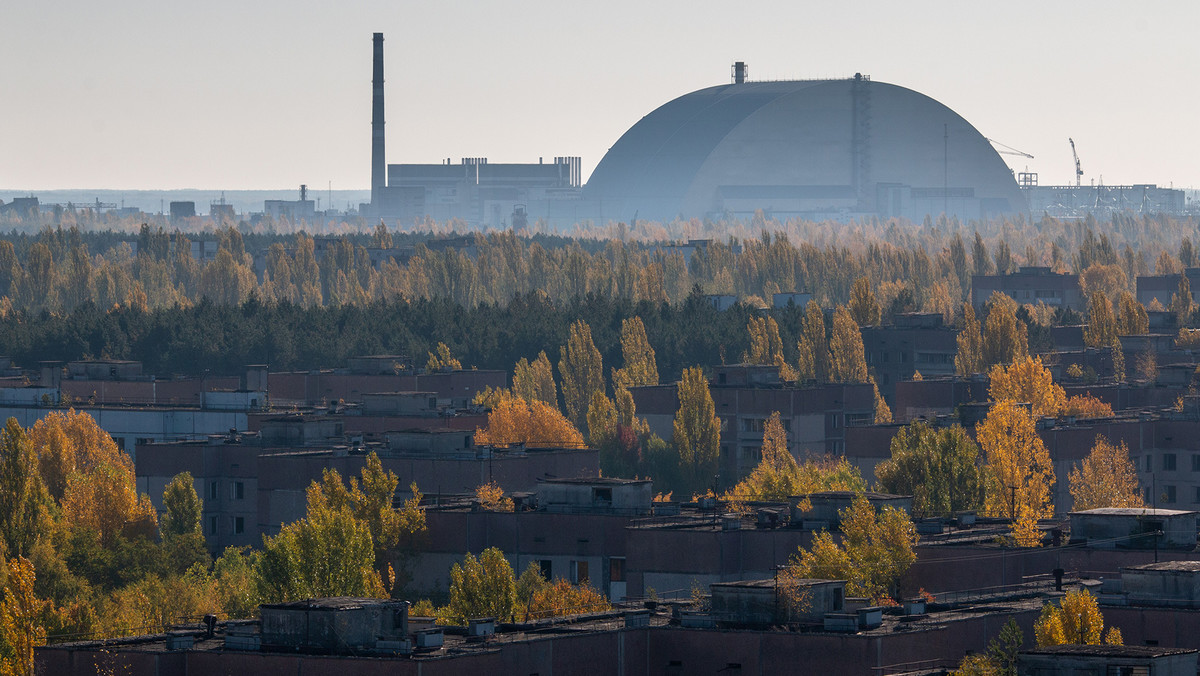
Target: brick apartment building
814, 416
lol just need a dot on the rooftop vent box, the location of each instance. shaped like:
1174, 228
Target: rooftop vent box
481, 626
430, 638
180, 641
636, 619
847, 622
870, 617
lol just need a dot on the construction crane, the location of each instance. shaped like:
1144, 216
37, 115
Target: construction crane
1008, 150
1078, 169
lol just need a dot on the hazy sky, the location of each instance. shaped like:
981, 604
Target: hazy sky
265, 94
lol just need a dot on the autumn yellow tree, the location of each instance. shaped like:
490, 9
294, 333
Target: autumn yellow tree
106, 502
23, 500
883, 413
581, 371
482, 587
1107, 477
533, 423
814, 346
939, 467
1087, 406
1132, 319
640, 367
1181, 302
441, 359
1076, 620
1117, 354
766, 347
778, 476
969, 358
330, 552
875, 551
543, 598
697, 429
1101, 328
846, 348
1027, 381
71, 442
21, 627
601, 419
1019, 475
864, 307
1005, 338
492, 499
534, 381
370, 499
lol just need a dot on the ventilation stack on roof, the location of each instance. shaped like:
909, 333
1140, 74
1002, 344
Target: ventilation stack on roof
739, 72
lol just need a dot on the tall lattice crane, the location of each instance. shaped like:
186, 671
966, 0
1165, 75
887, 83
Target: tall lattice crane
1078, 169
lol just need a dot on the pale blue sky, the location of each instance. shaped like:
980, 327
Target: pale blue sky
219, 94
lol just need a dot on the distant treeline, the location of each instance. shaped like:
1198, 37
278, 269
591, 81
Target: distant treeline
222, 339
925, 267
68, 293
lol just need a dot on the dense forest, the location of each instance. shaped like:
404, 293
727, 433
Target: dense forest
70, 293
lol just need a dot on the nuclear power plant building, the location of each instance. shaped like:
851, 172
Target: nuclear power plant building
812, 148
817, 149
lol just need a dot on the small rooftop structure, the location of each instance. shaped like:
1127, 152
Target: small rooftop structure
379, 364
299, 429
578, 495
1078, 660
1168, 583
770, 602
747, 375
827, 504
415, 403
1134, 528
104, 369
338, 625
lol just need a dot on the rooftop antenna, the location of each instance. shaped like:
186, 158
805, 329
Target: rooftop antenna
739, 72
1078, 169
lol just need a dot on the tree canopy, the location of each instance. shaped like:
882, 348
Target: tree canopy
939, 467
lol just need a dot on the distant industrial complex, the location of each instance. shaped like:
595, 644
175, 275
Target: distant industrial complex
819, 149
839, 149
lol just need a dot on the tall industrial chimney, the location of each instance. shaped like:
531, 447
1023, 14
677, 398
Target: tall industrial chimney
378, 161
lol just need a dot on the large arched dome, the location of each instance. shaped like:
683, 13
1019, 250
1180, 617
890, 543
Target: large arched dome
816, 148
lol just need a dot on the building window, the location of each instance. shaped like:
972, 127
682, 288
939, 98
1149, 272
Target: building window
547, 568
239, 525
1149, 463
579, 572
1168, 463
1197, 498
1149, 499
1196, 462
616, 570
239, 490
751, 455
213, 490
1168, 495
212, 520
833, 420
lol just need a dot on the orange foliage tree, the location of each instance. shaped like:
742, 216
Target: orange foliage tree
90, 476
534, 423
72, 442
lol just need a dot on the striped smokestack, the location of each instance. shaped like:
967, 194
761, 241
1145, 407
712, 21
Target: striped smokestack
378, 161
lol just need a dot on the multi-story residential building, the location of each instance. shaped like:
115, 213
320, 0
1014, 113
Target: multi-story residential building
814, 416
